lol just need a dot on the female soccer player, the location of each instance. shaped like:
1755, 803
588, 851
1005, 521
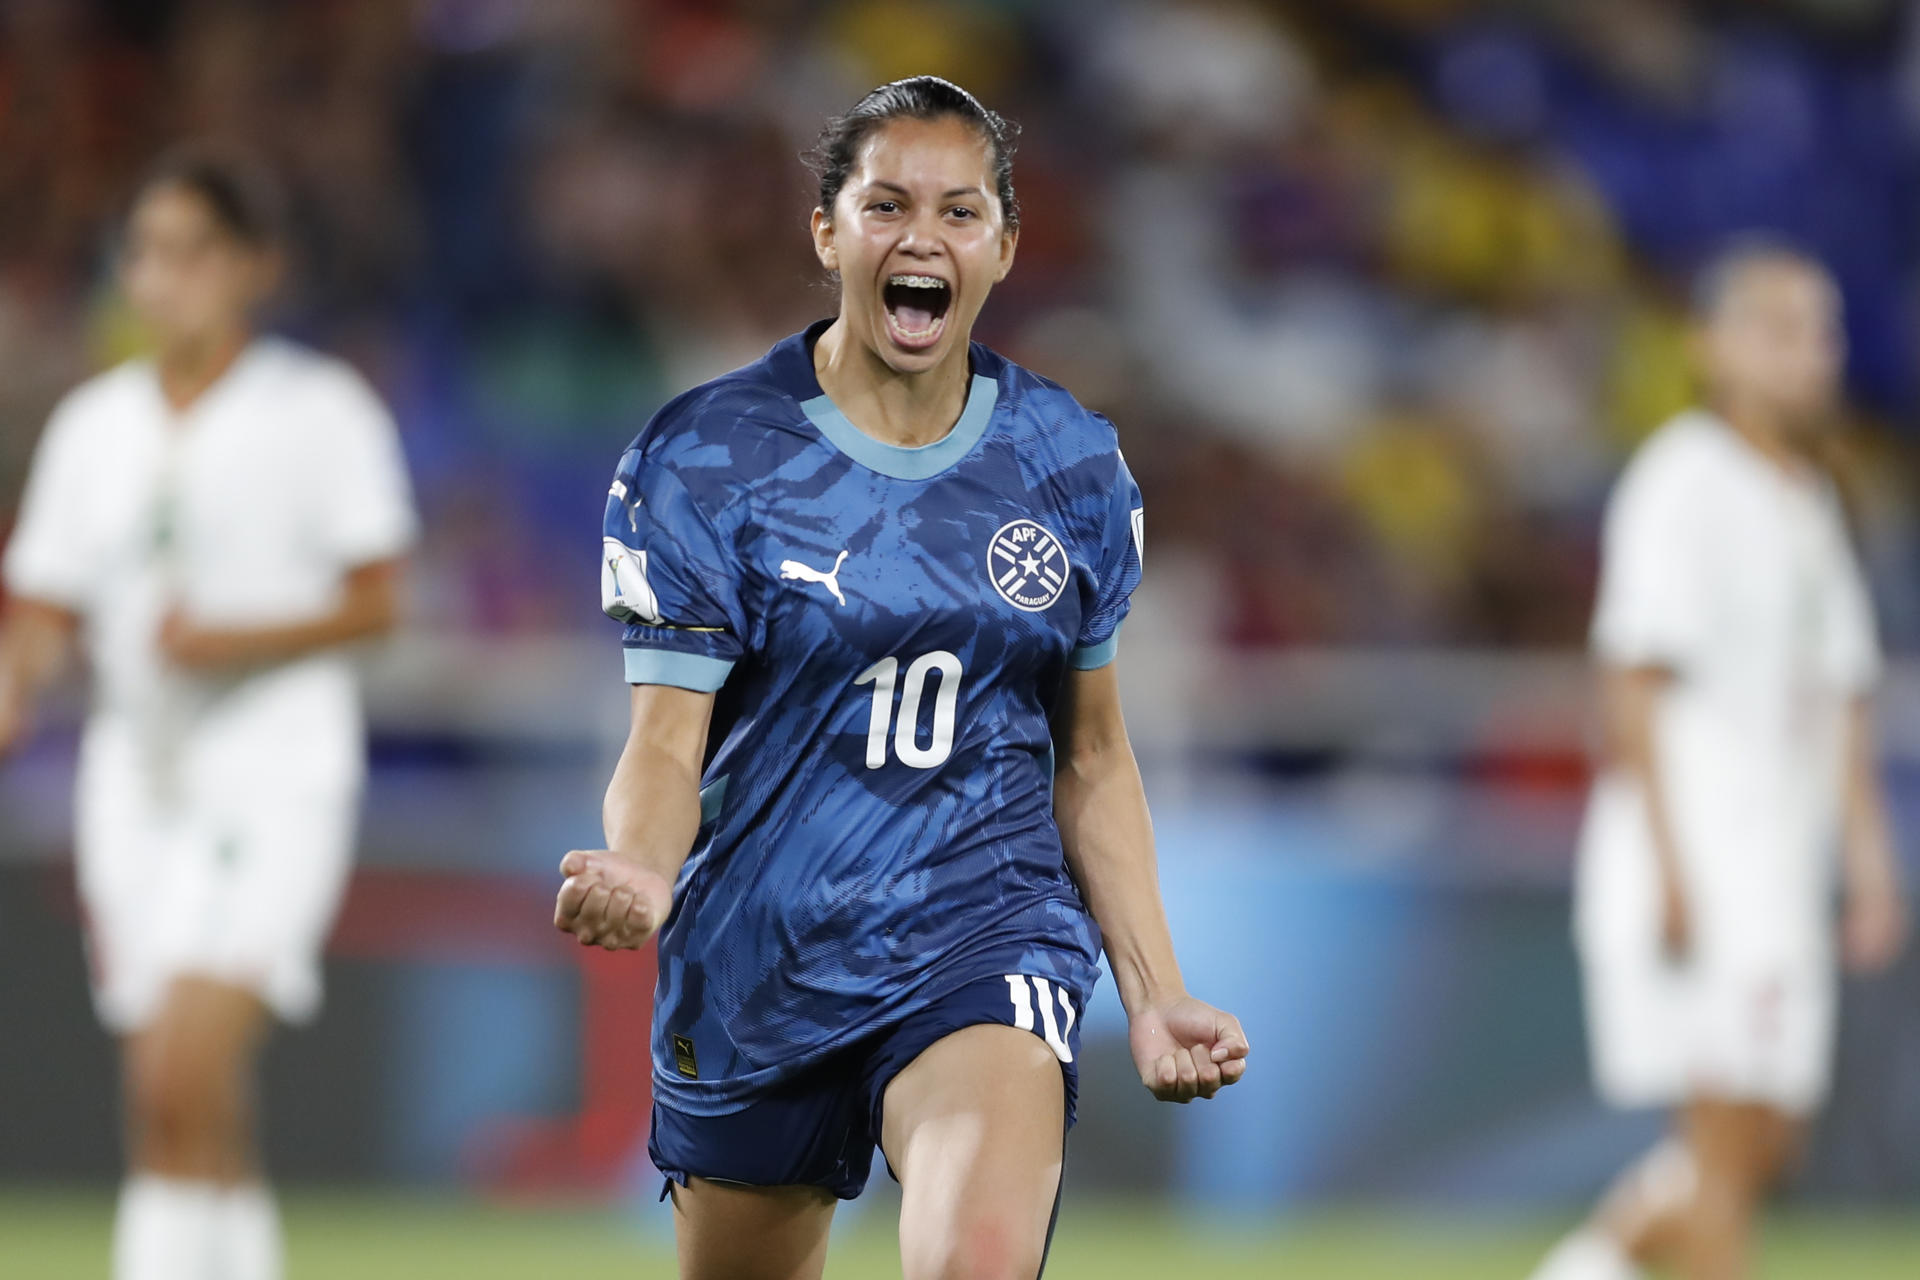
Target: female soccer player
1736, 642
215, 522
878, 797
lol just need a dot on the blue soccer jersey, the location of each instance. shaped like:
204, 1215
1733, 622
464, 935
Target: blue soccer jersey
887, 630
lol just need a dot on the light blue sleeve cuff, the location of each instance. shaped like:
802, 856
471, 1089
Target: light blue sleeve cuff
1094, 656
693, 671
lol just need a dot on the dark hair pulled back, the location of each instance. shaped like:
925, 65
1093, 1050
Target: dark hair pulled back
914, 98
238, 190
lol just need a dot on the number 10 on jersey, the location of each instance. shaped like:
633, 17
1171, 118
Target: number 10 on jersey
884, 675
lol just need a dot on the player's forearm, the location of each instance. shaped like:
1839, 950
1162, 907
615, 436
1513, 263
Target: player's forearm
1870, 864
34, 639
1632, 698
369, 607
269, 646
1101, 809
652, 809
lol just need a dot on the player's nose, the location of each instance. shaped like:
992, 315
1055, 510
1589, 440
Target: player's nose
921, 236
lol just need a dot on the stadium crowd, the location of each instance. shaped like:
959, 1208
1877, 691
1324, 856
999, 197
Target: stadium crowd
1379, 293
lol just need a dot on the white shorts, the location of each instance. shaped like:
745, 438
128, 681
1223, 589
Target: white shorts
1661, 1034
242, 889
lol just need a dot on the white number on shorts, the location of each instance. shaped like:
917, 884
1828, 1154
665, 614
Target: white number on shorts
1041, 995
882, 676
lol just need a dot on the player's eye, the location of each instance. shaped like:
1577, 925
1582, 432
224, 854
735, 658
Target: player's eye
885, 206
962, 212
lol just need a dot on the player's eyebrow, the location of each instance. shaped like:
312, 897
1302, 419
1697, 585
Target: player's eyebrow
948, 194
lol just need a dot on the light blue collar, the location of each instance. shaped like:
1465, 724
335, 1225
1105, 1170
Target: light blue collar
898, 461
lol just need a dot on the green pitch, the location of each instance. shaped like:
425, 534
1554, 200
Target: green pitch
368, 1236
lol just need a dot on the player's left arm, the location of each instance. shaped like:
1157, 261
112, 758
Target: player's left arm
369, 606
1183, 1047
35, 638
1875, 925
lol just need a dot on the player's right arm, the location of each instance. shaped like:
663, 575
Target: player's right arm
48, 566
1649, 632
669, 574
35, 637
619, 896
1630, 700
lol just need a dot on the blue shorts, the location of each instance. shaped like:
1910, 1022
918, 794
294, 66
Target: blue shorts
820, 1128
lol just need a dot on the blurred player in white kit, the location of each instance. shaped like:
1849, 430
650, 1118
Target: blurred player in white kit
1737, 652
213, 524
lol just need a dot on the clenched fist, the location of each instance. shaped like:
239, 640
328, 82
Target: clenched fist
610, 902
1187, 1049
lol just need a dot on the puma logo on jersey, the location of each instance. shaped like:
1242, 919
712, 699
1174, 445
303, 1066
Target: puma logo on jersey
807, 573
684, 1059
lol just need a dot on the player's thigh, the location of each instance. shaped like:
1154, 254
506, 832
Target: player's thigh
277, 869
1743, 1146
728, 1232
1770, 1027
1640, 1035
975, 1128
130, 881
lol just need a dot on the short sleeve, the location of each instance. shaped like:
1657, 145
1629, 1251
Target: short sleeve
1652, 598
49, 554
667, 573
1118, 573
367, 513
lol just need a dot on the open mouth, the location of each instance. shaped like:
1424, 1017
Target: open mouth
916, 309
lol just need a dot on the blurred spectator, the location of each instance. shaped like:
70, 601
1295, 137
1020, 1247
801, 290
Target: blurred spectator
1379, 293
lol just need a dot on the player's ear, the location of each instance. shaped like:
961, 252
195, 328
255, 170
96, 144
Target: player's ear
823, 246
1009, 241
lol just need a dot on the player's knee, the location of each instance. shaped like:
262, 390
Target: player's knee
1666, 1179
1774, 1156
1750, 1162
176, 1100
982, 1244
1725, 1200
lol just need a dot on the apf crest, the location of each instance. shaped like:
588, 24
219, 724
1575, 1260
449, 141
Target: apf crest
1027, 565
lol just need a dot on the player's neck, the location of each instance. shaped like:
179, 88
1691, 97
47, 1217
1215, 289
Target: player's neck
904, 409
1766, 435
189, 369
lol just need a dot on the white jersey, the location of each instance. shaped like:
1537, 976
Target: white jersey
1723, 567
247, 509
